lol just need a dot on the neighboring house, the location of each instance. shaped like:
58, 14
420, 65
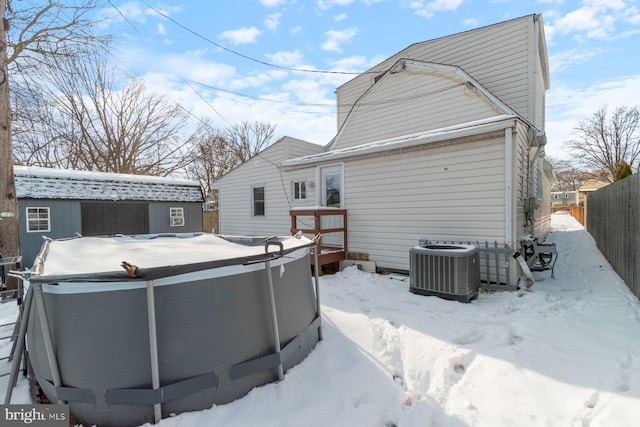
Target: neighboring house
442, 141
62, 203
569, 198
592, 181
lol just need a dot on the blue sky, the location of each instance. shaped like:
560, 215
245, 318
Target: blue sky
233, 60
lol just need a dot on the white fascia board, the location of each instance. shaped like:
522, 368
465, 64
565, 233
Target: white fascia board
437, 135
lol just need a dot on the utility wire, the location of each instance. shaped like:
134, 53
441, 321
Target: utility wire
123, 16
247, 57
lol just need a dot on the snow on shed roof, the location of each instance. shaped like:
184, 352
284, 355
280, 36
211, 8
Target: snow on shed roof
45, 183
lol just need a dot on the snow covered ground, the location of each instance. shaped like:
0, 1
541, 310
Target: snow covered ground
565, 353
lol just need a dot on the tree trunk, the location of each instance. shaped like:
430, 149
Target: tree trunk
9, 221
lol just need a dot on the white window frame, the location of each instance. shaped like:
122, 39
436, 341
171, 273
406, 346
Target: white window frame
253, 201
299, 191
176, 217
321, 173
38, 220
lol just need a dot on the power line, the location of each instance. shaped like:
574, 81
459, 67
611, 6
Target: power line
247, 57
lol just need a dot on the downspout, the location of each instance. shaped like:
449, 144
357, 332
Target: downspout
508, 196
533, 175
536, 35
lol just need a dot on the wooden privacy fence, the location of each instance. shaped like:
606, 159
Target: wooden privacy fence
576, 211
613, 219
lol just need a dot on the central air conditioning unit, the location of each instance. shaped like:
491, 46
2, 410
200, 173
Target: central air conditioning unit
447, 271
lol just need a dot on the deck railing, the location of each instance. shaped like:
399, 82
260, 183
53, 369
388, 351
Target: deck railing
330, 224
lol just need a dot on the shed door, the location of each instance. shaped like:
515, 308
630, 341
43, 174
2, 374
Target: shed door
107, 218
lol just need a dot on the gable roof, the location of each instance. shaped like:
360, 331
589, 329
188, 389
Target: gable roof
442, 83
511, 51
45, 183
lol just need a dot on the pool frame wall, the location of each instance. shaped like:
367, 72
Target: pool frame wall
135, 351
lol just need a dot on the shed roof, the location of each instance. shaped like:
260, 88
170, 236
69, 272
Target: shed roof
45, 183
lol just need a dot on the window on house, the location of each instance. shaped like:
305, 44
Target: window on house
176, 217
257, 201
299, 191
332, 187
38, 220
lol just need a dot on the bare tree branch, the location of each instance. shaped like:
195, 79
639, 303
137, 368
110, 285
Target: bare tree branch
604, 141
101, 126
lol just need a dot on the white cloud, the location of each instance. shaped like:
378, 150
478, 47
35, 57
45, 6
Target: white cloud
327, 4
633, 16
241, 36
596, 19
272, 21
562, 60
272, 3
429, 9
133, 12
287, 59
295, 30
334, 39
568, 105
160, 29
470, 22
340, 17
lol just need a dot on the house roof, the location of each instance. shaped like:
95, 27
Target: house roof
431, 136
592, 185
449, 72
45, 183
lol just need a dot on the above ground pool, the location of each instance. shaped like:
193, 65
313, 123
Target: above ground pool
130, 329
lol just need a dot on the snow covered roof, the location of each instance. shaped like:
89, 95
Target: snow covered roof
45, 183
430, 136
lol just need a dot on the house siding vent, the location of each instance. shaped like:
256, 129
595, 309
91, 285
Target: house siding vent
446, 271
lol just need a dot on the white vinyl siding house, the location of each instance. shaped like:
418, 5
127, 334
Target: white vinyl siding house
442, 144
497, 56
437, 193
235, 190
414, 97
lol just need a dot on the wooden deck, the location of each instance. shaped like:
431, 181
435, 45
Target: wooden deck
331, 250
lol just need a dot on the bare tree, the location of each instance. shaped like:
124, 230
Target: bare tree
38, 30
92, 123
216, 152
41, 30
604, 141
249, 138
211, 157
568, 176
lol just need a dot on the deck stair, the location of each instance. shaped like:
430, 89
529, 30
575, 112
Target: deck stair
330, 224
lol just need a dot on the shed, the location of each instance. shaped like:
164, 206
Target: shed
59, 203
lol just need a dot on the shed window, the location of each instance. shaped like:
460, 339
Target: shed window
299, 191
257, 201
176, 216
38, 220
